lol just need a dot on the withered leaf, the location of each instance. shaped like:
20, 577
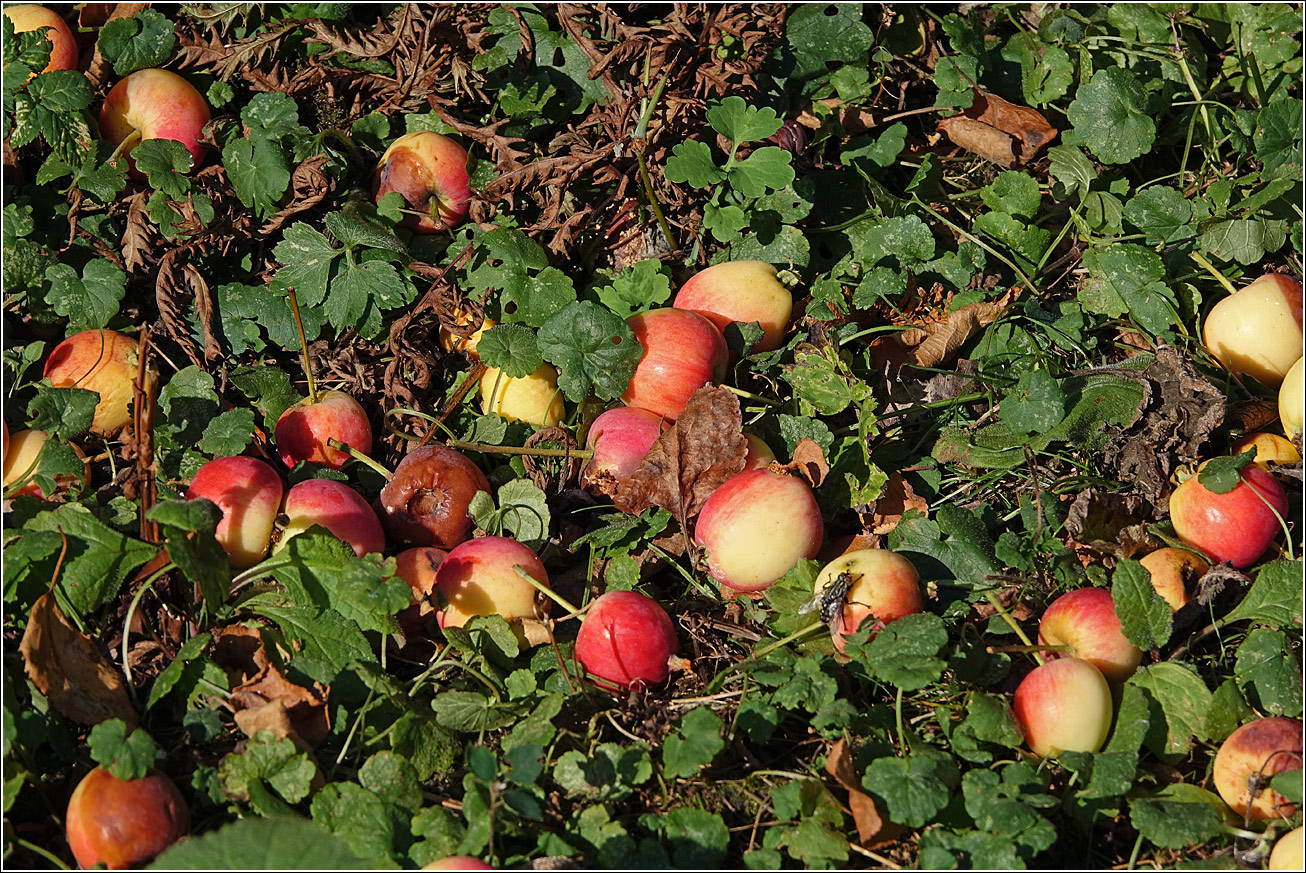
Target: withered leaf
703, 449
998, 131
309, 186
239, 650
276, 718
873, 827
809, 462
305, 707
933, 342
895, 499
136, 236
68, 669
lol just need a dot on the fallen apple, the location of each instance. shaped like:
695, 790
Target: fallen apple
881, 586
619, 438
740, 291
103, 361
155, 104
1064, 706
336, 507
1292, 396
1257, 330
248, 492
303, 430
1288, 850
63, 44
429, 171
425, 502
1236, 526
1249, 757
124, 823
417, 566
1173, 572
478, 578
534, 399
683, 351
626, 639
1270, 449
1085, 620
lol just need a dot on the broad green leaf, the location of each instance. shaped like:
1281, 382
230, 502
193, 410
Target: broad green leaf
1129, 278
167, 680
364, 822
166, 162
62, 412
262, 844
1184, 701
511, 348
738, 122
1245, 240
1073, 171
353, 233
612, 772
1036, 405
1110, 116
1222, 475
273, 115
1014, 193
257, 169
307, 256
643, 285
1274, 598
1268, 673
1177, 817
905, 652
229, 433
915, 788
1162, 213
319, 570
1278, 138
471, 711
698, 838
766, 169
142, 41
286, 768
695, 743
189, 527
99, 558
125, 756
592, 348
691, 163
91, 301
324, 634
1145, 617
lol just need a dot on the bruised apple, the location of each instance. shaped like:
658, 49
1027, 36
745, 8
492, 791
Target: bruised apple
478, 578
1247, 760
882, 586
426, 500
248, 492
124, 823
619, 438
625, 639
1236, 526
103, 361
1257, 330
429, 171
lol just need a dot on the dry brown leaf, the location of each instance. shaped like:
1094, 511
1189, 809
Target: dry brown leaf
932, 343
305, 707
809, 462
998, 131
896, 497
68, 669
537, 631
136, 236
309, 186
873, 827
239, 651
703, 449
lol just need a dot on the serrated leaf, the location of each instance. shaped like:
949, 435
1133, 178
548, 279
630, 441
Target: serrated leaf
268, 388
62, 412
172, 674
324, 635
691, 163
592, 348
1183, 699
1278, 138
510, 348
91, 301
228, 434
472, 712
906, 238
99, 558
1129, 278
695, 743
1177, 817
273, 115
1145, 617
610, 773
1162, 213
356, 288
905, 652
1274, 598
142, 41
766, 169
1268, 673
1037, 403
165, 162
257, 170
643, 285
1110, 116
262, 844
307, 256
915, 788
352, 232
189, 527
738, 122
322, 571
125, 756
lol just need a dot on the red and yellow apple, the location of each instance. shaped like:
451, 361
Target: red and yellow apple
155, 104
1237, 526
1292, 396
1085, 620
63, 52
534, 399
625, 639
1173, 571
1064, 706
248, 492
124, 823
478, 578
742, 291
683, 351
756, 527
425, 502
885, 586
21, 461
458, 862
1257, 331
429, 171
336, 507
759, 454
619, 438
304, 429
1270, 449
1247, 760
103, 361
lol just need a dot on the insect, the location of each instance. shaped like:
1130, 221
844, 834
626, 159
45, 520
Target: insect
830, 601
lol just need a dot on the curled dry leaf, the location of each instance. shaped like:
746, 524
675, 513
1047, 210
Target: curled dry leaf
809, 462
305, 707
935, 341
873, 827
895, 499
239, 651
136, 234
703, 449
998, 131
309, 186
68, 669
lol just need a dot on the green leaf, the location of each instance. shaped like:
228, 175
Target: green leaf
166, 162
956, 77
357, 288
353, 233
695, 743
907, 238
262, 844
698, 838
89, 302
1125, 277
524, 510
189, 527
392, 779
1183, 699
819, 36
1014, 193
807, 687
257, 170
1245, 240
320, 634
145, 40
424, 744
126, 757
1267, 672
1073, 171
473, 712
611, 772
766, 169
691, 163
1222, 475
511, 348
366, 823
320, 570
915, 788
228, 434
905, 652
99, 558
1027, 241
190, 650
1110, 116
1177, 817
273, 115
738, 122
592, 348
62, 412
643, 285
307, 256
1278, 138
1274, 598
1162, 213
1037, 403
955, 540
268, 388
189, 402
1145, 617
281, 764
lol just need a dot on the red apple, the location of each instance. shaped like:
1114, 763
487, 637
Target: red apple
619, 438
742, 291
63, 52
430, 171
155, 104
884, 586
1292, 396
458, 862
756, 527
1237, 526
102, 361
683, 351
1257, 330
248, 492
336, 507
1173, 571
624, 639
417, 566
303, 430
1064, 706
477, 578
1249, 758
123, 824
425, 502
1086, 621
21, 463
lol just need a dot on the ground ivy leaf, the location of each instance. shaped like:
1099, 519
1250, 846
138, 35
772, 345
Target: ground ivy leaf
1222, 475
165, 162
524, 510
62, 412
1145, 617
1267, 673
1177, 817
1274, 598
808, 687
511, 348
905, 652
1037, 403
1245, 240
1183, 699
1129, 278
125, 756
91, 301
307, 256
268, 388
695, 743
473, 712
691, 163
610, 773
1161, 212
699, 839
906, 238
143, 41
274, 115
229, 433
1278, 138
915, 788
592, 348
1110, 116
1014, 193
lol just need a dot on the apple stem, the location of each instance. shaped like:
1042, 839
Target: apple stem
999, 650
128, 142
1210, 268
640, 135
303, 346
1014, 625
359, 456
584, 454
748, 395
548, 592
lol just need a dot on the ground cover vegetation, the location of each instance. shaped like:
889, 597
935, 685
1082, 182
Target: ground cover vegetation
895, 554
